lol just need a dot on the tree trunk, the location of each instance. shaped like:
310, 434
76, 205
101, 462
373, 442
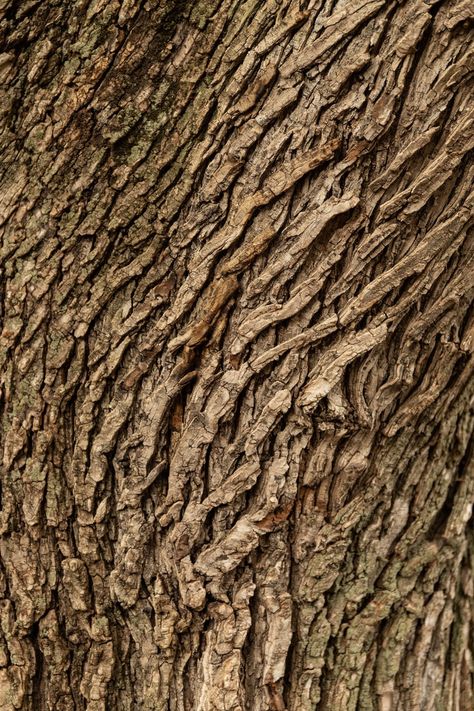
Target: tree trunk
237, 372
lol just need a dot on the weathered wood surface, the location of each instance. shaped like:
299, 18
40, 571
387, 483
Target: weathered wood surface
236, 356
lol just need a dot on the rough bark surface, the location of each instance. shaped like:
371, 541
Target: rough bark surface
236, 356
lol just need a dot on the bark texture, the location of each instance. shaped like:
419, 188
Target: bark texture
236, 356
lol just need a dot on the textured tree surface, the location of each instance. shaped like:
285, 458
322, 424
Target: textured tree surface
236, 355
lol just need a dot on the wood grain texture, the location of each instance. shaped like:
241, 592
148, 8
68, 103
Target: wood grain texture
237, 340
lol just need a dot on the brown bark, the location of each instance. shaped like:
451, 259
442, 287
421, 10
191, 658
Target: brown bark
237, 373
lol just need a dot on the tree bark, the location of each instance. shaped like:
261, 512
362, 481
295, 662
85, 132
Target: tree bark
236, 355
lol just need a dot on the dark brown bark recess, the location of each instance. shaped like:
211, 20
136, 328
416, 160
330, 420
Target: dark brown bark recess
236, 355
